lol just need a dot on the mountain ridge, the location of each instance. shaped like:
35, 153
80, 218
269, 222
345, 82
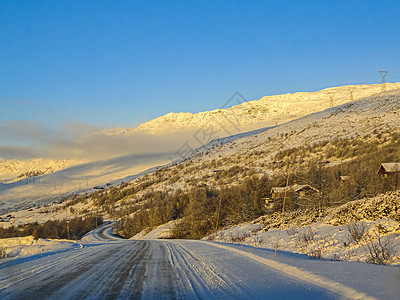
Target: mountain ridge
267, 111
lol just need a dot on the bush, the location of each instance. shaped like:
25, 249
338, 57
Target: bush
3, 253
306, 237
356, 232
378, 248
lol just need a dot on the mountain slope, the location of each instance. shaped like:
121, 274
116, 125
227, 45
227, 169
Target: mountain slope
12, 170
379, 112
374, 113
267, 111
240, 171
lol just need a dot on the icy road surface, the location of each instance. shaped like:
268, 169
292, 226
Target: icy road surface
109, 268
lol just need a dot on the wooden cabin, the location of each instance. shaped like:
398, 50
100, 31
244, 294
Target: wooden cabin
300, 190
387, 169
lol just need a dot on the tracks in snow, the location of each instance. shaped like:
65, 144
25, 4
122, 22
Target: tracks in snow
128, 269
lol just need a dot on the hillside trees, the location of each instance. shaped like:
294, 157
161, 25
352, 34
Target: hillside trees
235, 194
56, 229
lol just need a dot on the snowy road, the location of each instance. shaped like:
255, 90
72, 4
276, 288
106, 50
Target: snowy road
109, 268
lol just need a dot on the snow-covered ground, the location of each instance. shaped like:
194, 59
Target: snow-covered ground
18, 247
324, 241
103, 266
330, 236
26, 246
160, 232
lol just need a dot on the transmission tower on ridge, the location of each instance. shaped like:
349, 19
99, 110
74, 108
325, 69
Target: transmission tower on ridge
351, 89
383, 74
331, 94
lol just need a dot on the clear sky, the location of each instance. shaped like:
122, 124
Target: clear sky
119, 63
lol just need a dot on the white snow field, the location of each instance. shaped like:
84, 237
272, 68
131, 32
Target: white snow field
106, 267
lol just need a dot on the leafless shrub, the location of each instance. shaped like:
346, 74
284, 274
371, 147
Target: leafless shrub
254, 231
3, 252
304, 240
238, 237
381, 229
356, 232
317, 247
379, 249
349, 255
221, 235
256, 240
315, 253
292, 231
306, 237
211, 237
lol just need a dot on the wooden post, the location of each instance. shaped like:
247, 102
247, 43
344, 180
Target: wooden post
283, 210
66, 220
216, 224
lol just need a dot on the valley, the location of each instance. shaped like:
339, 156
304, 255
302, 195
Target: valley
228, 192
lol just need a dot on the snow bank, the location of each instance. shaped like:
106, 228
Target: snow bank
160, 232
24, 246
349, 232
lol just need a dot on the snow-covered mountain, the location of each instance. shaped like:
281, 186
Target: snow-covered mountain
12, 170
379, 112
267, 111
360, 117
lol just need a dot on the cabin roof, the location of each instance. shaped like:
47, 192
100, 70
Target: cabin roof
390, 167
294, 187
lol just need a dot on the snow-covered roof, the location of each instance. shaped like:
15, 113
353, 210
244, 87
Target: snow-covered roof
278, 189
390, 167
294, 187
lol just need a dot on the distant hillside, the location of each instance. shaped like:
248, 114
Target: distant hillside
12, 169
267, 111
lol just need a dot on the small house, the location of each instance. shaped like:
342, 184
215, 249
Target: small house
387, 169
300, 190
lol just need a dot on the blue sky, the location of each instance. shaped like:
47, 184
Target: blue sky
119, 63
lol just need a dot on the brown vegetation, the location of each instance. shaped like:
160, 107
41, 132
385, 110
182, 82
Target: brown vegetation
78, 227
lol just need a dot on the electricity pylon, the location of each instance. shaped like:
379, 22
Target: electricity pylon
351, 89
331, 94
383, 74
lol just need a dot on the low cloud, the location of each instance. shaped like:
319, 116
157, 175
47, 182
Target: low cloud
20, 152
108, 146
80, 141
32, 139
24, 132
